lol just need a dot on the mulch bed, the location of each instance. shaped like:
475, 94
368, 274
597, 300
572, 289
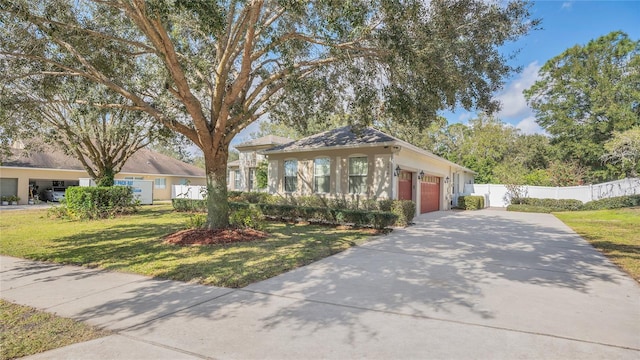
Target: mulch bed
213, 237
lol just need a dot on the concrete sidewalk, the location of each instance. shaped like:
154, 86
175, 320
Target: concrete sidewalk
483, 284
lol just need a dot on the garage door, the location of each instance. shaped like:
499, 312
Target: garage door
404, 186
429, 194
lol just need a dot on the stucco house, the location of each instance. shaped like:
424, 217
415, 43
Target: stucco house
366, 164
28, 172
242, 172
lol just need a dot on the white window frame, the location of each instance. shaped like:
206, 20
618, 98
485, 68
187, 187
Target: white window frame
327, 175
285, 176
160, 185
364, 176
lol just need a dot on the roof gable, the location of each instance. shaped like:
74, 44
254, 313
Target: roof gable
265, 141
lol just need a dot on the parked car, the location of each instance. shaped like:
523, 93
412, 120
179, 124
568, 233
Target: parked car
55, 194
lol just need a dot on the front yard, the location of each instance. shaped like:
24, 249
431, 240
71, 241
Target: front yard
616, 233
135, 244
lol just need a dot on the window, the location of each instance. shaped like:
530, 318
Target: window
252, 176
160, 183
358, 170
236, 179
290, 175
321, 175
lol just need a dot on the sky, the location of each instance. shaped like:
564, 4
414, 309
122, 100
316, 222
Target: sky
564, 24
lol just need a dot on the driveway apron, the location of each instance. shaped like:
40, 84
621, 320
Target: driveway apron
483, 284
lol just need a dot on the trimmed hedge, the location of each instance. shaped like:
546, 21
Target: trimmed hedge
376, 219
562, 204
613, 203
471, 202
99, 202
405, 210
531, 208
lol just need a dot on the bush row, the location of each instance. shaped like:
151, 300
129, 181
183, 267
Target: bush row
375, 214
97, 202
563, 204
471, 202
555, 205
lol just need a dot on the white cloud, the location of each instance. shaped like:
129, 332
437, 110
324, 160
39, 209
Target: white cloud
512, 99
528, 126
464, 117
567, 5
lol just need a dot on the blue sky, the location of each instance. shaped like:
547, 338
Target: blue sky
564, 24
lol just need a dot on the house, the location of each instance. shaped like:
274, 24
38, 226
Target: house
242, 172
25, 173
365, 164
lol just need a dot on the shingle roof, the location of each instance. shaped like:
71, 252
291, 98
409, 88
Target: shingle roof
144, 161
344, 136
265, 140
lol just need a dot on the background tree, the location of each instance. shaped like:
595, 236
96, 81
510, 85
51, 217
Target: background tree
623, 150
72, 115
208, 69
585, 94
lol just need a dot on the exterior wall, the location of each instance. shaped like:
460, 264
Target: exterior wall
379, 174
25, 174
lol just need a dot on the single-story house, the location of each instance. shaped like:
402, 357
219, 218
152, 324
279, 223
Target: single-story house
25, 173
367, 164
242, 172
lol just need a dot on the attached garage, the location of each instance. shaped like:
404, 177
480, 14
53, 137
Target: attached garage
429, 194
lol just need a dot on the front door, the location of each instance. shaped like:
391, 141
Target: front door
405, 186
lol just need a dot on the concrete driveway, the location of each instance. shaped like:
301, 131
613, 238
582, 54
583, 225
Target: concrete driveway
484, 284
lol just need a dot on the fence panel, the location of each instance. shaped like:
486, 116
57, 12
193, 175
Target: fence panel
188, 192
496, 194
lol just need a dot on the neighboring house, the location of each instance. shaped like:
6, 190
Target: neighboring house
366, 164
242, 172
30, 172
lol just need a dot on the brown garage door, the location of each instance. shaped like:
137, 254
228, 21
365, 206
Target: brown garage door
429, 194
404, 186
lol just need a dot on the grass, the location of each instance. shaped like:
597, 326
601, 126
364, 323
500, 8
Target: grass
27, 331
616, 233
134, 244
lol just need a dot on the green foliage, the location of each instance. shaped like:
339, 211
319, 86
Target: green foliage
613, 203
196, 221
249, 217
584, 95
99, 202
471, 202
106, 178
189, 205
531, 208
623, 150
555, 204
405, 210
262, 174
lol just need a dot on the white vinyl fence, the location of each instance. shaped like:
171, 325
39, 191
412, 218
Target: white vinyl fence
188, 192
496, 194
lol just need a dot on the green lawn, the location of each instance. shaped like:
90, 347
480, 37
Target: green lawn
616, 233
27, 331
134, 244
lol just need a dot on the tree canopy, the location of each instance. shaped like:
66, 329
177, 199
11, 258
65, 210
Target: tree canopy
585, 94
208, 69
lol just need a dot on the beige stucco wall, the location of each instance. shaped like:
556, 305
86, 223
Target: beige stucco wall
381, 183
378, 177
25, 174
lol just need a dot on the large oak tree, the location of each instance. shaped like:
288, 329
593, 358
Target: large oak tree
208, 69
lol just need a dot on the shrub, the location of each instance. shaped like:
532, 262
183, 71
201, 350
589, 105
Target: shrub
249, 217
560, 204
253, 197
613, 203
189, 205
99, 202
386, 204
530, 208
471, 202
405, 210
196, 221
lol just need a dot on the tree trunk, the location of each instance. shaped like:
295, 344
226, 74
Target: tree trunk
105, 177
217, 201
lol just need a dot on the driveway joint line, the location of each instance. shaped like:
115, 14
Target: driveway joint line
443, 320
132, 327
172, 348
